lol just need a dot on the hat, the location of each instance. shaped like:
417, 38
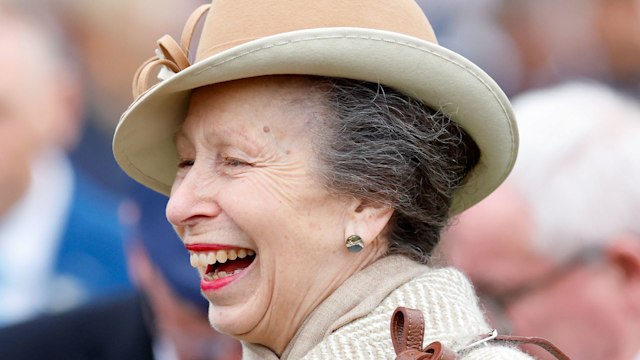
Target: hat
383, 41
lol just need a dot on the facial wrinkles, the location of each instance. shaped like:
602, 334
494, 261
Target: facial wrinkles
293, 164
281, 181
278, 160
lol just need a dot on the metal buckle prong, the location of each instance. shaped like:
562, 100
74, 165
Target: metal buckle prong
492, 335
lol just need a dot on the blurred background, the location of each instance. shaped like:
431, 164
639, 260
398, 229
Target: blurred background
75, 231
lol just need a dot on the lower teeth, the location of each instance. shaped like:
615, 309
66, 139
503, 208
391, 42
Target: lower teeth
221, 274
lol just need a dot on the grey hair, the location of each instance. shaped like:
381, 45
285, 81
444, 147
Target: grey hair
386, 148
578, 167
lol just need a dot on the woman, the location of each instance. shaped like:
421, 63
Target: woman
312, 153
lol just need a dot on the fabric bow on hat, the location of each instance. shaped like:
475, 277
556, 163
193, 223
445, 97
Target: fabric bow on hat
171, 57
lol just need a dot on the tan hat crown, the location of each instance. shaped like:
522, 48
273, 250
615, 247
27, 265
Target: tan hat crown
258, 19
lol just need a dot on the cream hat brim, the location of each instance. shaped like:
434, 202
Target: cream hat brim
144, 139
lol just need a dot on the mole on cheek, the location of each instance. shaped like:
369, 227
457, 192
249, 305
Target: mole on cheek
266, 129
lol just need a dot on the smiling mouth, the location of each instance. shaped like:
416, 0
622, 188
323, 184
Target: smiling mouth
219, 264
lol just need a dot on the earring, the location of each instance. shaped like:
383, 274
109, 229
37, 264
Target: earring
354, 243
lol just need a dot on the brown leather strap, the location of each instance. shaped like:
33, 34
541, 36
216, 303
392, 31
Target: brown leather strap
543, 343
434, 351
407, 329
407, 335
407, 332
440, 352
413, 354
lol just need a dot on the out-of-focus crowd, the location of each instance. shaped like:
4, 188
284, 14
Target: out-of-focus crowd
90, 268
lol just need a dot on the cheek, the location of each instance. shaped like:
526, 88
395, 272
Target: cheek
283, 189
179, 231
285, 194
284, 217
258, 210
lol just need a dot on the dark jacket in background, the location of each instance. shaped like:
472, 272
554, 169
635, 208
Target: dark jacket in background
117, 329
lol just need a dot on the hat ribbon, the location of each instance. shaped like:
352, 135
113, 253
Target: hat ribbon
171, 57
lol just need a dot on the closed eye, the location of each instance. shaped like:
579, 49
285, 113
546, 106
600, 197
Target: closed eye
185, 163
235, 162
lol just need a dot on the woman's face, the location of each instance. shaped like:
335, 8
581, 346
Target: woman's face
245, 190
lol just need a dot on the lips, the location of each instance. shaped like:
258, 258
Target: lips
219, 265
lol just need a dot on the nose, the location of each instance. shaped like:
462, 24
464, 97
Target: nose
193, 198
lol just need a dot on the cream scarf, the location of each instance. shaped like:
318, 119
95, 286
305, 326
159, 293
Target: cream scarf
353, 322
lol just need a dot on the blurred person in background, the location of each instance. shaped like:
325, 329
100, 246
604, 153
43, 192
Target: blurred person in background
109, 52
555, 252
554, 40
571, 39
514, 40
40, 117
527, 44
159, 321
111, 37
61, 241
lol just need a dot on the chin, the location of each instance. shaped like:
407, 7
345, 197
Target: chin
238, 320
223, 323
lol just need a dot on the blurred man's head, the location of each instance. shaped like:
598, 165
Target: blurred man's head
579, 38
555, 252
39, 105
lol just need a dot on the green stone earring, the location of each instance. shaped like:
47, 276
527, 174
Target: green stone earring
354, 243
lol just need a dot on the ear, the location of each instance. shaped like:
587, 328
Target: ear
624, 253
368, 220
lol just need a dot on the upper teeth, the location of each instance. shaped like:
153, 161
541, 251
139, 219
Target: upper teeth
203, 259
